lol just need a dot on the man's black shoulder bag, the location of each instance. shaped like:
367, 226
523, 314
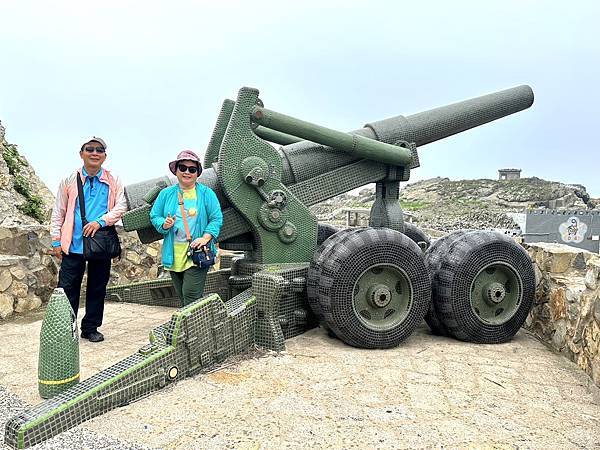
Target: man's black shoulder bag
105, 243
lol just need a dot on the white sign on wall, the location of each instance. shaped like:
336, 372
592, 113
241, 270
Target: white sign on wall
573, 230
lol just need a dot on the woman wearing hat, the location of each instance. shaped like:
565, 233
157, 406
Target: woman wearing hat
198, 205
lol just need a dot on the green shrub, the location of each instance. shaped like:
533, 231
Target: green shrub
21, 185
34, 205
13, 160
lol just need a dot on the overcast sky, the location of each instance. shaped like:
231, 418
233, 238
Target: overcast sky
149, 77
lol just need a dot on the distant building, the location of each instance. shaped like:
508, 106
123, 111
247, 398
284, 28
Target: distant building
509, 174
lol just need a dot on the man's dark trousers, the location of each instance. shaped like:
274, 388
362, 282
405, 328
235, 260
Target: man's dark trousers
70, 277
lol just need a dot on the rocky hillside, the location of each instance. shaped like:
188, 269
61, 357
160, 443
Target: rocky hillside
445, 205
24, 198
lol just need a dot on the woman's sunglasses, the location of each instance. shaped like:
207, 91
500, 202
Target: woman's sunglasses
190, 169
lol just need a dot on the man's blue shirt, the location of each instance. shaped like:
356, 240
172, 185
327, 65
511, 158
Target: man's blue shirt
95, 197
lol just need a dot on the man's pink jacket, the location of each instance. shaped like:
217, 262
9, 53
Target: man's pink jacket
63, 214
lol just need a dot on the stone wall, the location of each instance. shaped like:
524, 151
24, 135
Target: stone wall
139, 262
27, 273
566, 312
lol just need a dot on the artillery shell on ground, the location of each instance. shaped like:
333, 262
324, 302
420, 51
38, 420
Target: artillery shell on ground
58, 363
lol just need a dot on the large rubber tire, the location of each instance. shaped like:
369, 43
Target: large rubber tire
374, 288
416, 234
314, 269
485, 288
433, 259
324, 231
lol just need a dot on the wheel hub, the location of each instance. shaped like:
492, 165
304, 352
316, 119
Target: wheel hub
382, 296
379, 295
495, 292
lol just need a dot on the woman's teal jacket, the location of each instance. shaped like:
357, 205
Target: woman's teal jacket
210, 217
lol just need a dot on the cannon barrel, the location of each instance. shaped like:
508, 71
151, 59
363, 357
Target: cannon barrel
439, 123
421, 129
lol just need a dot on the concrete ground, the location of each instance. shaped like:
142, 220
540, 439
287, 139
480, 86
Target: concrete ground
429, 392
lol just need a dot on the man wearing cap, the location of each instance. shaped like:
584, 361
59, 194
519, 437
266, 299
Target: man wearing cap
104, 201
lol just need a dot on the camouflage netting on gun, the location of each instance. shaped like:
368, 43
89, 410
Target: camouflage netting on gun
282, 308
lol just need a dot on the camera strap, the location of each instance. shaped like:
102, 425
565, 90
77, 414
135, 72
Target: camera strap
184, 218
81, 199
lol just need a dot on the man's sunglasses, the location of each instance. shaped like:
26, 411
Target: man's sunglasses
190, 169
91, 149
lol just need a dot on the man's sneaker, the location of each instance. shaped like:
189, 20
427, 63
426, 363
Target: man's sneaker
92, 336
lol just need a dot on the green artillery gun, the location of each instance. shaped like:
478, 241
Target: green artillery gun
384, 289
371, 287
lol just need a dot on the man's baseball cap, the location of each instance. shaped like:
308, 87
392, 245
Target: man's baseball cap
95, 139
